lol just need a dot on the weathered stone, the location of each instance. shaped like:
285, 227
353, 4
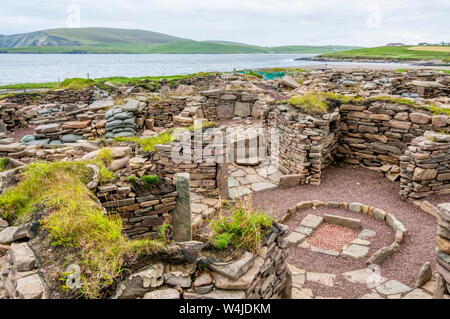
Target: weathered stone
311, 221
29, 287
383, 253
342, 221
417, 294
242, 109
244, 281
289, 82
304, 230
421, 174
289, 181
22, 256
235, 269
204, 279
295, 238
216, 294
392, 287
140, 283
443, 244
425, 275
321, 278
364, 276
355, 251
356, 207
169, 293
177, 278
225, 111
181, 217
420, 118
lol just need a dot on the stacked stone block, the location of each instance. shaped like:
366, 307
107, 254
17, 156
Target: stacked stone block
425, 166
141, 216
442, 276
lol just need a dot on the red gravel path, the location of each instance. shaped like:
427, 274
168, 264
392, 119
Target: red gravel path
343, 183
332, 237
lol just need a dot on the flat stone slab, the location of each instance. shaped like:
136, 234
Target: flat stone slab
216, 294
361, 242
295, 238
352, 223
321, 278
239, 191
244, 282
198, 208
169, 293
262, 186
304, 293
235, 269
371, 295
232, 182
393, 287
355, 251
312, 221
417, 294
324, 251
363, 276
366, 233
304, 230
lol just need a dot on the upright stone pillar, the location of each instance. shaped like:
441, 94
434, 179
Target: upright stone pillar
181, 218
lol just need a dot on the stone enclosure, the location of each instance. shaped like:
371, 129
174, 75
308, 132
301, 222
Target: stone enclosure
401, 136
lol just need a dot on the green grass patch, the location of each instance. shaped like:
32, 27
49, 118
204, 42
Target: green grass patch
148, 143
401, 70
436, 110
150, 180
391, 53
242, 227
3, 163
79, 83
312, 102
74, 219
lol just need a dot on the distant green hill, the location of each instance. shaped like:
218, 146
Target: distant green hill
109, 40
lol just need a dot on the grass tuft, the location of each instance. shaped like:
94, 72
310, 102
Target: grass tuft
241, 226
75, 219
3, 163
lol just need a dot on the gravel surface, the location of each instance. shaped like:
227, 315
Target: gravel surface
356, 184
332, 237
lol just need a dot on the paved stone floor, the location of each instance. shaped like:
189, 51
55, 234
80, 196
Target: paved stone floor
243, 180
303, 283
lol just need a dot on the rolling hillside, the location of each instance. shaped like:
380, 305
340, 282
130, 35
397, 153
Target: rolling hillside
109, 40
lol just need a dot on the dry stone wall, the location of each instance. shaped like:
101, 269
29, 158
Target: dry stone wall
141, 214
442, 276
306, 144
425, 166
377, 133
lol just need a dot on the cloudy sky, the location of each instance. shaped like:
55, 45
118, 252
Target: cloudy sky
259, 22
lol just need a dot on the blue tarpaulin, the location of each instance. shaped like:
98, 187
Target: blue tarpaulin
266, 75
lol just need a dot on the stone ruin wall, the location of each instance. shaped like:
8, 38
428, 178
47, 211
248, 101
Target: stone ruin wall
425, 166
141, 215
260, 275
306, 144
205, 165
378, 133
442, 275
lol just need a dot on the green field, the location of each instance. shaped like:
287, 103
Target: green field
78, 83
391, 53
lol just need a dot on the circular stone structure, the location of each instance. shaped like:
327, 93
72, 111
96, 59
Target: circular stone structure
357, 248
